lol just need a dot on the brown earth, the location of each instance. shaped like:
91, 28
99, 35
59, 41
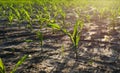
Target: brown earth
98, 50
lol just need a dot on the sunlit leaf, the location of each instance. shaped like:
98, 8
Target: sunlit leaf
19, 63
54, 26
2, 68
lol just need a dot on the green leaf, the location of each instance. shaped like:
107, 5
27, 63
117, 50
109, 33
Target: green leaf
75, 30
10, 16
40, 37
54, 26
77, 40
16, 12
52, 21
19, 63
2, 67
27, 15
76, 33
66, 32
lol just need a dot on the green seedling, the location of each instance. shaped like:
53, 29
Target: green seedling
10, 17
19, 63
29, 26
101, 13
27, 18
27, 15
40, 37
75, 36
42, 19
113, 19
2, 66
63, 17
17, 13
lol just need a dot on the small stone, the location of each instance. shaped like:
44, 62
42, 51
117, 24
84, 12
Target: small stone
29, 56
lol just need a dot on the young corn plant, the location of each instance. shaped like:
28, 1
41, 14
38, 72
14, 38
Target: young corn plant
40, 21
113, 20
27, 18
10, 17
2, 66
43, 19
63, 15
74, 36
39, 35
17, 14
